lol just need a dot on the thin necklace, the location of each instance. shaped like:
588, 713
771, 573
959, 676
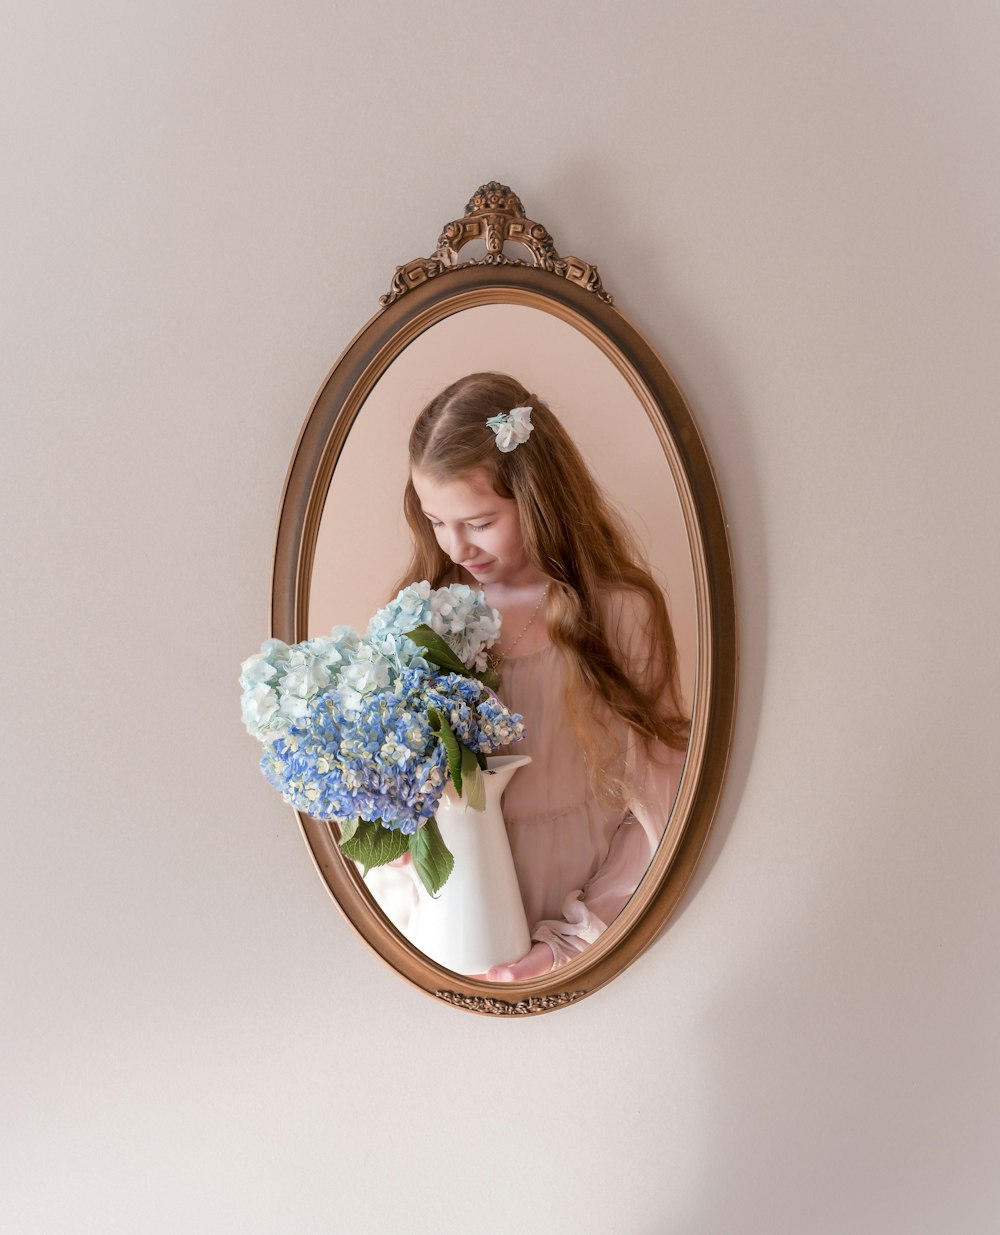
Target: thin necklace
500, 657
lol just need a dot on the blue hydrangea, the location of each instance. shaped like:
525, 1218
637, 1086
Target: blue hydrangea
378, 758
344, 720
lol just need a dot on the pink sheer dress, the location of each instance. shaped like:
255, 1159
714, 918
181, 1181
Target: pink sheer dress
578, 860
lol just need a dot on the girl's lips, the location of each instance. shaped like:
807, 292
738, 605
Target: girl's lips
476, 565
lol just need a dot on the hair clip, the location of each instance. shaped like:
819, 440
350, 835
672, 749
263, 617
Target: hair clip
512, 428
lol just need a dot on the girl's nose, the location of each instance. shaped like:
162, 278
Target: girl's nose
460, 547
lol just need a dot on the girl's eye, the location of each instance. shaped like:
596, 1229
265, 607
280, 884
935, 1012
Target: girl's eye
471, 526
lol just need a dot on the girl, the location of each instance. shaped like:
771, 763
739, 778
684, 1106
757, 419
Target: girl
499, 497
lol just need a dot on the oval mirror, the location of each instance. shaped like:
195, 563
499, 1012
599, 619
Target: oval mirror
519, 308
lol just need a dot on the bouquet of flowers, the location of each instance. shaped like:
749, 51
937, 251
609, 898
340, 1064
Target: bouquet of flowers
366, 731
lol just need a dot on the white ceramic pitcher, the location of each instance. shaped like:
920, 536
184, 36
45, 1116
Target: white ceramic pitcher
477, 919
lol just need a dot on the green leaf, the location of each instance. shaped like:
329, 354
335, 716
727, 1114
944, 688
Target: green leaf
452, 749
432, 859
373, 844
440, 653
348, 828
472, 780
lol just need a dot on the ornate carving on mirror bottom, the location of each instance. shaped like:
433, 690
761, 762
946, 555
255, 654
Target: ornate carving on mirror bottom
505, 1007
496, 214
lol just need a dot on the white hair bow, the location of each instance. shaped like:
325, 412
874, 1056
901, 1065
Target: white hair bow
512, 428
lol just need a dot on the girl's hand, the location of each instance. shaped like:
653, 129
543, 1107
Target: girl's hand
537, 962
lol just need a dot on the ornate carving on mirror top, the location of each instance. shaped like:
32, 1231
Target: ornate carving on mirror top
505, 1007
494, 214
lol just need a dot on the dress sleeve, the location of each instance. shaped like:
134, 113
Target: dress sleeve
590, 910
652, 774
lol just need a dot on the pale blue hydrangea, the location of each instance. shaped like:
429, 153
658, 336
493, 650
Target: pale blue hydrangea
459, 614
279, 682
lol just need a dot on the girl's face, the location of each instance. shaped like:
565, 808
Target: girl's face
479, 530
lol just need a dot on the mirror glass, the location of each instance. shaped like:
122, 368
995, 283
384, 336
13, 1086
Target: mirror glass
363, 540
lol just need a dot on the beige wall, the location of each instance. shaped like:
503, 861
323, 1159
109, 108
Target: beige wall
796, 203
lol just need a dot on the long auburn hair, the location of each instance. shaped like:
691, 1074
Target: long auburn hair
575, 538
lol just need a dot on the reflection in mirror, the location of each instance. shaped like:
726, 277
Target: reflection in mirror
579, 851
582, 386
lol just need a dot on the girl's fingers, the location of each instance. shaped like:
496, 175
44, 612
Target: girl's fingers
537, 962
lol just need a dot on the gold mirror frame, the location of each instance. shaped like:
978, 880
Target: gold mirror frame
424, 292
